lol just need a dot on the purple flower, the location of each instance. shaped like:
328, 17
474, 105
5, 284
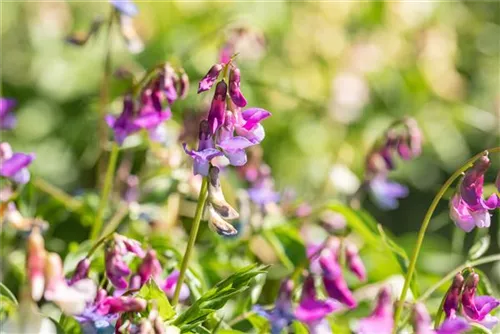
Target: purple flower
477, 308
468, 209
170, 79
206, 151
386, 193
170, 284
123, 125
125, 7
122, 304
234, 88
14, 165
248, 125
209, 79
381, 320
354, 262
81, 271
116, 268
183, 85
217, 112
150, 267
452, 299
422, 323
7, 118
312, 311
281, 316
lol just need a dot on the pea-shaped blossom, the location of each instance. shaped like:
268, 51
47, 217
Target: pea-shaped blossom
478, 308
422, 323
14, 165
206, 151
381, 320
312, 311
282, 315
7, 118
468, 208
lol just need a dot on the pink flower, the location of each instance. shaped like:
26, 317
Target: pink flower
381, 320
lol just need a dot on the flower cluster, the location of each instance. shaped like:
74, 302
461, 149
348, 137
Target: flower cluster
404, 140
474, 308
154, 106
225, 119
468, 208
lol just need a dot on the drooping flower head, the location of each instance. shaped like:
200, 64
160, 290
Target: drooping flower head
381, 320
81, 271
468, 208
117, 269
150, 267
7, 118
14, 165
452, 298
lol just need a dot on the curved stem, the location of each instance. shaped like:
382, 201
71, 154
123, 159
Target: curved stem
58, 194
99, 244
451, 274
106, 189
192, 238
423, 229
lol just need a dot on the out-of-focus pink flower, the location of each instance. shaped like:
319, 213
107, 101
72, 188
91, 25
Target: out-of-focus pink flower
170, 285
381, 320
35, 263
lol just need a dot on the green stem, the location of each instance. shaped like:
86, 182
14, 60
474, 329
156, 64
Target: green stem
192, 238
106, 189
59, 195
115, 220
423, 229
104, 97
451, 274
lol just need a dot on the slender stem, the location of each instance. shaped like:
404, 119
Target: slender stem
115, 220
423, 229
99, 244
58, 194
240, 318
192, 238
106, 189
104, 97
451, 274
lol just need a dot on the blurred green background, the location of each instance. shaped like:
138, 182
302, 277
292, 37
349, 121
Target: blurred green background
334, 75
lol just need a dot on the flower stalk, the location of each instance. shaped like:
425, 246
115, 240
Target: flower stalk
425, 224
200, 208
106, 189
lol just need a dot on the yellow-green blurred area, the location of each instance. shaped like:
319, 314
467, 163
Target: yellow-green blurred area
334, 75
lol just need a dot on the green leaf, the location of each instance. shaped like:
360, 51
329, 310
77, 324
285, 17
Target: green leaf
7, 307
299, 328
69, 325
278, 247
356, 223
217, 297
151, 292
480, 247
479, 329
260, 323
4, 291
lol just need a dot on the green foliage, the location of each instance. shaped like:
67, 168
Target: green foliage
217, 297
156, 299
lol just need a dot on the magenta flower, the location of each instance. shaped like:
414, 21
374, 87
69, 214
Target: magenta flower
422, 323
35, 263
334, 282
150, 267
81, 271
312, 311
452, 299
14, 165
122, 304
123, 125
381, 320
386, 193
7, 118
248, 124
206, 150
281, 316
170, 284
234, 88
217, 112
468, 209
209, 79
125, 7
477, 308
354, 262
116, 268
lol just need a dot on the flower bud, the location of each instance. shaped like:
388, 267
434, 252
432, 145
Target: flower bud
122, 304
468, 295
35, 263
234, 88
451, 301
217, 112
116, 268
170, 79
150, 267
209, 79
81, 271
354, 262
